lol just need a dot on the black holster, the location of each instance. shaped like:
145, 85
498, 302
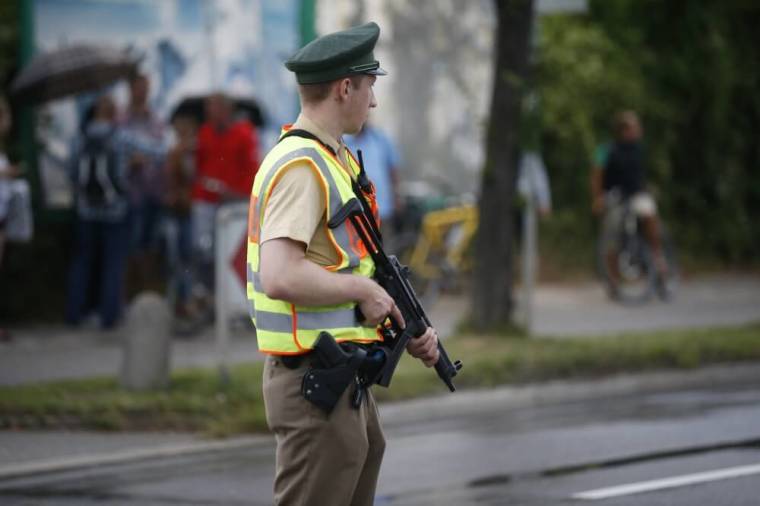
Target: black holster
336, 366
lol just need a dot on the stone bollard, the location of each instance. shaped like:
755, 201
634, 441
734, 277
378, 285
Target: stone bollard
147, 343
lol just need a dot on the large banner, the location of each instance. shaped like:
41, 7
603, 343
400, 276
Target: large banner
187, 48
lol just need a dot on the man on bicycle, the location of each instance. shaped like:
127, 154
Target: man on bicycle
620, 168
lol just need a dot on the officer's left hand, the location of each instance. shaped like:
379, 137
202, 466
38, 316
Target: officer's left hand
425, 347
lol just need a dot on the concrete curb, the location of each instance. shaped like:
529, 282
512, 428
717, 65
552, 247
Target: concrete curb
129, 456
398, 414
483, 401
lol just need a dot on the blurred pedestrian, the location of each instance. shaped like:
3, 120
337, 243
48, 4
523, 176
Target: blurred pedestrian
100, 169
533, 184
382, 165
15, 212
146, 185
620, 169
180, 174
306, 277
381, 162
7, 173
227, 158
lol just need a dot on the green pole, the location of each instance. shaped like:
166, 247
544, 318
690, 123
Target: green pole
27, 30
307, 21
306, 27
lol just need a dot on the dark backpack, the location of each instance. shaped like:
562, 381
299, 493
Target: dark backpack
100, 187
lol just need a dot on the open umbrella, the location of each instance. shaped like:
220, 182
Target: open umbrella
194, 107
74, 69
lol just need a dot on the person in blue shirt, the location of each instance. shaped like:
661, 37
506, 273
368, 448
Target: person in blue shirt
381, 161
100, 170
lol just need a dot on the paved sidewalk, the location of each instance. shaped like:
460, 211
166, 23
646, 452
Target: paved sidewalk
24, 448
52, 353
49, 353
585, 309
57, 352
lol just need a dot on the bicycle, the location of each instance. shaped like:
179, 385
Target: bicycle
438, 255
625, 259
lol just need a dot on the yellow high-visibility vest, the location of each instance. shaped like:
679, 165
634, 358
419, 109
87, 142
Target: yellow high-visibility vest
283, 328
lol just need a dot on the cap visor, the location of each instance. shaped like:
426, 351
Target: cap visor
377, 72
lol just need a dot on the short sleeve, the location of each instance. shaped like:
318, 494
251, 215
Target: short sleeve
295, 207
601, 153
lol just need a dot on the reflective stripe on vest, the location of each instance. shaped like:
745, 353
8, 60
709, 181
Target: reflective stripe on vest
282, 327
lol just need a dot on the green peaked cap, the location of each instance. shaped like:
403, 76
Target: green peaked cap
337, 55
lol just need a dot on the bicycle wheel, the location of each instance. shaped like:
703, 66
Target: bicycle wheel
668, 284
627, 266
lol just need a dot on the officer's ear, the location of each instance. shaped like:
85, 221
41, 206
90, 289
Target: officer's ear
344, 88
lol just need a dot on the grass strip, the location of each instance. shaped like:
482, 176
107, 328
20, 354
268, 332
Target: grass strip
196, 400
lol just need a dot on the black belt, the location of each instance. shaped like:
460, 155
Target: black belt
294, 361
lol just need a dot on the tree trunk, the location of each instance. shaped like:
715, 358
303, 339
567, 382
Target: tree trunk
492, 301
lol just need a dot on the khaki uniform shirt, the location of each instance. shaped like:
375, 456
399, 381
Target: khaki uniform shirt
296, 208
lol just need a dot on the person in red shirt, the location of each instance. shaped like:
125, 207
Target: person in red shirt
227, 158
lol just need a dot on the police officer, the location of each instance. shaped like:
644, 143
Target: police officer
305, 277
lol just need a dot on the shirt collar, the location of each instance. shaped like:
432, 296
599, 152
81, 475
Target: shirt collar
304, 123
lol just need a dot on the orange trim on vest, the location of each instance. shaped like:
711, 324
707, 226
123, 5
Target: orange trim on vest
253, 221
295, 326
325, 190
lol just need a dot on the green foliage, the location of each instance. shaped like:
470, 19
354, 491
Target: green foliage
195, 401
690, 68
496, 360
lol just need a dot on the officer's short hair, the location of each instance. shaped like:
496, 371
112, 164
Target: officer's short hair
318, 92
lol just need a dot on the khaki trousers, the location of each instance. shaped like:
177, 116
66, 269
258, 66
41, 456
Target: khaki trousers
321, 460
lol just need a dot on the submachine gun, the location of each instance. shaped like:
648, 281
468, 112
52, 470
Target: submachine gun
394, 278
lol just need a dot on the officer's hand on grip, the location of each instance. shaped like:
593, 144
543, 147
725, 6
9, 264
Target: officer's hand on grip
425, 347
376, 305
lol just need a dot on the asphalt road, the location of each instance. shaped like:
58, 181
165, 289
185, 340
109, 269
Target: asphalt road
481, 454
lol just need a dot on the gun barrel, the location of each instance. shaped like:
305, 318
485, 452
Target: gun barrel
445, 369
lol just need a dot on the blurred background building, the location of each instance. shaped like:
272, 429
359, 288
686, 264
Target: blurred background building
435, 99
587, 63
186, 48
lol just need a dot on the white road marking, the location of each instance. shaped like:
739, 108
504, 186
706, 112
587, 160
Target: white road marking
673, 482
